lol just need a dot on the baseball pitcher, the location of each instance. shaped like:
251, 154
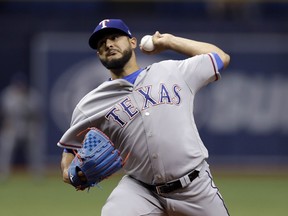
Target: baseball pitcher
141, 121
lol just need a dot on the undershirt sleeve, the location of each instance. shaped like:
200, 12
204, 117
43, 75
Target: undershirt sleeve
219, 62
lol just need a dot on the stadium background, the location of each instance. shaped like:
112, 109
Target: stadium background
242, 119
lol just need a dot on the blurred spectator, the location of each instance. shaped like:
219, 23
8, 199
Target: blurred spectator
20, 111
236, 9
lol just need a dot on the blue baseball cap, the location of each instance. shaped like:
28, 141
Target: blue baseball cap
106, 26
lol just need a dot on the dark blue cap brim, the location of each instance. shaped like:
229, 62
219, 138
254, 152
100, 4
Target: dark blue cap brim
96, 36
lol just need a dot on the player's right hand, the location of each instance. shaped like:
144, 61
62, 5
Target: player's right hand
161, 42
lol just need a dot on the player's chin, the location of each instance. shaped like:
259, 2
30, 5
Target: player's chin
113, 64
110, 62
113, 57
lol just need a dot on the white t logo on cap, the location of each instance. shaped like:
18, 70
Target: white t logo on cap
103, 23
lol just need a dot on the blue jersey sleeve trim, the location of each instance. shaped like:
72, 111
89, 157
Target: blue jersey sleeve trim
219, 62
68, 150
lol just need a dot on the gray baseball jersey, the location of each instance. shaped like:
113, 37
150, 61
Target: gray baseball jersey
151, 120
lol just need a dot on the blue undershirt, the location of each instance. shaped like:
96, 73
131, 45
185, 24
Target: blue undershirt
219, 61
132, 77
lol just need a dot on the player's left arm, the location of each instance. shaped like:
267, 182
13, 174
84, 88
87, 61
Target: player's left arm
187, 46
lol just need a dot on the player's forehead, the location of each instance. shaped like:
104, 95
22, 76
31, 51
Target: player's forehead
110, 33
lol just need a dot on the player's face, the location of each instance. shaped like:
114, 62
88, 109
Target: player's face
114, 51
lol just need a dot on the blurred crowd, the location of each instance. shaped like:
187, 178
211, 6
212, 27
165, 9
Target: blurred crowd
20, 128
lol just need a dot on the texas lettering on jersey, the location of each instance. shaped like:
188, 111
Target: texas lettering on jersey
165, 96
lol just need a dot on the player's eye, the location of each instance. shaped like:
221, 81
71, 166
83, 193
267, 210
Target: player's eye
103, 41
114, 37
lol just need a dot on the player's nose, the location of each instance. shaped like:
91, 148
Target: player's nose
109, 42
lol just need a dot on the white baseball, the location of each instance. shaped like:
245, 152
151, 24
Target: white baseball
147, 43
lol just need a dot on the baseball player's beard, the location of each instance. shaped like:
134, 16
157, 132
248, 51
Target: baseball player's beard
116, 64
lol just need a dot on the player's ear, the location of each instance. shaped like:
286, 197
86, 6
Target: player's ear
133, 42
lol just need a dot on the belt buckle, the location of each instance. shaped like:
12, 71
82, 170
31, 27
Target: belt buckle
158, 190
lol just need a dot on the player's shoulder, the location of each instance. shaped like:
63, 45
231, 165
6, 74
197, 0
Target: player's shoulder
170, 64
106, 88
164, 63
182, 60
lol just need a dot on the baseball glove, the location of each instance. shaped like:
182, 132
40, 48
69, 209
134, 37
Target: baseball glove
95, 161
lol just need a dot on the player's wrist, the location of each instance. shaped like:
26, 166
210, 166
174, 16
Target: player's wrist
170, 42
65, 176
